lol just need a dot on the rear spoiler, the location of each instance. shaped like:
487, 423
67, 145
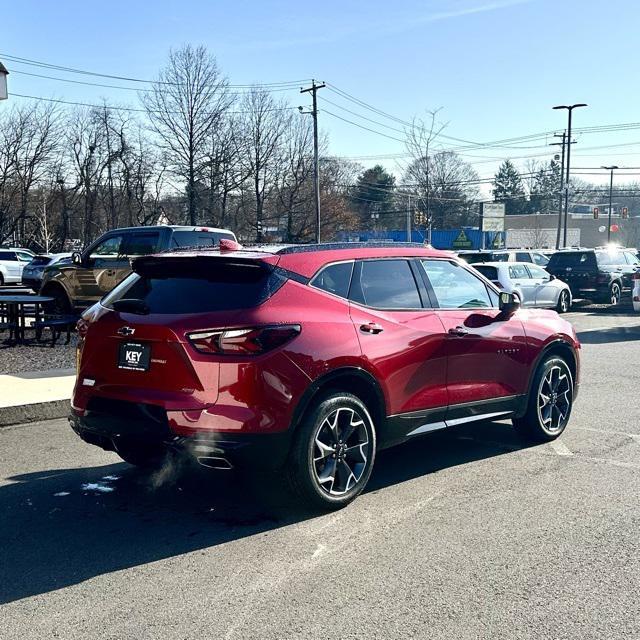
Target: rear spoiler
199, 260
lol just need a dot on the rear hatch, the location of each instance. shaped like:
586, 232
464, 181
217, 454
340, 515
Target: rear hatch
577, 268
138, 348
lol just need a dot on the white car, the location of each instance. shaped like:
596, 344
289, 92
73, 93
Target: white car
635, 295
12, 263
535, 286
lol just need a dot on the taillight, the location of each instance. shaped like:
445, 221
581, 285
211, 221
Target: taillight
245, 341
603, 277
82, 326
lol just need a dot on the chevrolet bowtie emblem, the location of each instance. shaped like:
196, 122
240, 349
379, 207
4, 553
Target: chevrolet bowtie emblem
126, 331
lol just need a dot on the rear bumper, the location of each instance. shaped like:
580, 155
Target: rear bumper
107, 423
32, 283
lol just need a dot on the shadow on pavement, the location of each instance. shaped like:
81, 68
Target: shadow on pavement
113, 517
612, 334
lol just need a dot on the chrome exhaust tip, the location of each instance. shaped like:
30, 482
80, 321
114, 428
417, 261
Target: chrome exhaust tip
214, 462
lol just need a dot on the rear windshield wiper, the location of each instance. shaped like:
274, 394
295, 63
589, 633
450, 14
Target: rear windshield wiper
131, 305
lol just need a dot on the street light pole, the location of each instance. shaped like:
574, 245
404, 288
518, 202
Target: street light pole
570, 109
612, 168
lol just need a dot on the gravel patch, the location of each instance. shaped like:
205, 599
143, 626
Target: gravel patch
34, 356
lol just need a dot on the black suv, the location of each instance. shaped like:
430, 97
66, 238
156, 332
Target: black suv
600, 275
77, 284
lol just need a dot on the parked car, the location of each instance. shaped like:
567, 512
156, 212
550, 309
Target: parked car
635, 294
95, 271
34, 270
307, 360
12, 263
505, 255
600, 275
534, 286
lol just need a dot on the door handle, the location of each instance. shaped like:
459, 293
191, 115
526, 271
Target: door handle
111, 272
457, 331
371, 327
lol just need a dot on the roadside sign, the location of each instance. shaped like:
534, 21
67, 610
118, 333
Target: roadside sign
462, 241
602, 228
493, 216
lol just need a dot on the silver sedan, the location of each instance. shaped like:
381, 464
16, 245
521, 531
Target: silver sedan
535, 286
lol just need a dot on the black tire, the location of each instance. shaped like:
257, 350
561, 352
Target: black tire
326, 477
1, 280
564, 302
546, 420
141, 454
60, 305
615, 294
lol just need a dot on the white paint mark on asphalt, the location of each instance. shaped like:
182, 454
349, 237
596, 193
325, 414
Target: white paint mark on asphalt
60, 494
560, 448
97, 487
319, 550
634, 436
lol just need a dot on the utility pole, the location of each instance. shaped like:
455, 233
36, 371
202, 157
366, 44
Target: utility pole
564, 139
313, 90
408, 217
612, 169
570, 109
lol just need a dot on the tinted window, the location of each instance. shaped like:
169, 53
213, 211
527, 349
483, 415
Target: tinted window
571, 259
518, 272
7, 255
474, 257
40, 261
610, 258
523, 256
109, 248
194, 286
491, 273
24, 257
386, 284
141, 244
198, 238
501, 257
335, 279
455, 287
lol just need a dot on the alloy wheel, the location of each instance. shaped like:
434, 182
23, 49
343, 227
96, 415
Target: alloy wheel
341, 451
615, 294
564, 302
554, 399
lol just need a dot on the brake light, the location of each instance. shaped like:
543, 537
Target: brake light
226, 244
636, 275
603, 277
245, 341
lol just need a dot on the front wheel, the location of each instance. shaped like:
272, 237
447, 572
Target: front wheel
564, 302
550, 402
333, 452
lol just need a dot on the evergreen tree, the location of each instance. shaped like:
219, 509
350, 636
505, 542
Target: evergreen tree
374, 195
508, 188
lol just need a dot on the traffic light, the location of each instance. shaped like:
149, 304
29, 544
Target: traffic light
625, 212
596, 213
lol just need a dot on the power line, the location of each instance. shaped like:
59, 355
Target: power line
355, 124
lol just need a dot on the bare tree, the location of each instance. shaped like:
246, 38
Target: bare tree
265, 124
185, 105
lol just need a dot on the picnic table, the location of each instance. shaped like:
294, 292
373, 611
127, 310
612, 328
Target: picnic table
13, 313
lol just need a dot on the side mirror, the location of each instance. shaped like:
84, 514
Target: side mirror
509, 302
76, 258
551, 277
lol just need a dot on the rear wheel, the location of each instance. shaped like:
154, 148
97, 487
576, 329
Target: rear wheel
333, 452
550, 402
564, 302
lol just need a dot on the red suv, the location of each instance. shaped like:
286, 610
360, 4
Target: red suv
307, 360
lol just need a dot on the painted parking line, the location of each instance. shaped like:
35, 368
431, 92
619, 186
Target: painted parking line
560, 448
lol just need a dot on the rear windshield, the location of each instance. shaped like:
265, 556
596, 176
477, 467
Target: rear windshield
475, 257
194, 286
199, 238
40, 261
571, 259
491, 273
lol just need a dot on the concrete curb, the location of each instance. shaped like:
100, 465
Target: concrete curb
36, 412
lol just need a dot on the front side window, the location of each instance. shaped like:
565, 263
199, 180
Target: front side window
335, 279
537, 272
386, 284
455, 287
540, 259
632, 258
610, 258
109, 248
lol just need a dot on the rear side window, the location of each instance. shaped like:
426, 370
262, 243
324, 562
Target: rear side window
501, 257
199, 238
632, 258
540, 259
518, 272
196, 286
141, 244
335, 279
523, 256
386, 284
7, 255
610, 258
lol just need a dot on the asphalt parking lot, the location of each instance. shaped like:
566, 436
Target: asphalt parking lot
463, 534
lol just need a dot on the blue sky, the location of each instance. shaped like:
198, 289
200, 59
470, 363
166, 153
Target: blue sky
495, 67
